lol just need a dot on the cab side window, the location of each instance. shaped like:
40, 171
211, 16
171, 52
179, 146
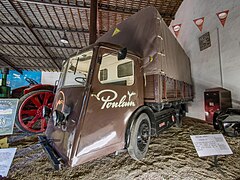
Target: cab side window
77, 69
125, 69
116, 72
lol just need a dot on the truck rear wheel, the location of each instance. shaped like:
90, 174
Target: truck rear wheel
140, 133
179, 118
215, 121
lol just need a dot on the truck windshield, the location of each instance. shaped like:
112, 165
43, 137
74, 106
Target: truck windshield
77, 70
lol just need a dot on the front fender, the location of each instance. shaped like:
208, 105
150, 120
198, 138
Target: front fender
39, 87
134, 116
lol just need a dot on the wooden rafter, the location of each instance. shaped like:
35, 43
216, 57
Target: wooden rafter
2, 58
32, 32
27, 57
101, 7
46, 28
93, 21
54, 4
36, 45
50, 19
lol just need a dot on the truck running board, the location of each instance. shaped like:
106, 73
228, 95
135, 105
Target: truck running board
52, 155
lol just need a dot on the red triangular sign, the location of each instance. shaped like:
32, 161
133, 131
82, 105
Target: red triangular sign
199, 23
176, 29
222, 16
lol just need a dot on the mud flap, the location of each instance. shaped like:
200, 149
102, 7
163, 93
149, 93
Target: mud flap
52, 155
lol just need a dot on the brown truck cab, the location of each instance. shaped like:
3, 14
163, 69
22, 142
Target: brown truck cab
113, 96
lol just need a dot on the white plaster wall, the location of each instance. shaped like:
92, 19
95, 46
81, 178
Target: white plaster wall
205, 64
50, 77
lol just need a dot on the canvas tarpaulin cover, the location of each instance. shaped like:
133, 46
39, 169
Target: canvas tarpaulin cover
146, 34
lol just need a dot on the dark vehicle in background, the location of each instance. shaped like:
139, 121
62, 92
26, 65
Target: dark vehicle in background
216, 99
227, 121
32, 99
133, 83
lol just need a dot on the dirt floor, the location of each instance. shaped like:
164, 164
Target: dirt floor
170, 156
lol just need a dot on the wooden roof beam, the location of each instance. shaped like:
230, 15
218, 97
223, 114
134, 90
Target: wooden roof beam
63, 30
34, 67
101, 7
54, 4
72, 6
32, 32
36, 45
46, 28
18, 44
2, 58
115, 9
93, 21
12, 25
30, 58
128, 11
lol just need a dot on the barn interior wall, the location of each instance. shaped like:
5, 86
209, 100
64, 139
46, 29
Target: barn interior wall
205, 64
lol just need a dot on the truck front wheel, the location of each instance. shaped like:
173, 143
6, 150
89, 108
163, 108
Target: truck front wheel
140, 133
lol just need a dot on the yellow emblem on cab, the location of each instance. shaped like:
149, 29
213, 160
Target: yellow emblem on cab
116, 31
150, 59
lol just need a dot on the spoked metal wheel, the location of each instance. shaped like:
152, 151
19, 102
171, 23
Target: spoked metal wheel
29, 117
140, 134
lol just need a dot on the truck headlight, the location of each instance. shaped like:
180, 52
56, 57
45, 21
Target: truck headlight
58, 118
206, 113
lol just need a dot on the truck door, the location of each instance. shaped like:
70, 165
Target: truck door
70, 98
116, 92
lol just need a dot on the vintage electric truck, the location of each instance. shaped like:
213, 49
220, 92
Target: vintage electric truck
133, 83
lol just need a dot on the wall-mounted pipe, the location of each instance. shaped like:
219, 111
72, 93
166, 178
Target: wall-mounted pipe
220, 58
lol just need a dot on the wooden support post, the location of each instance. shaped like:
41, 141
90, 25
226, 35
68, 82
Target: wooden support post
93, 21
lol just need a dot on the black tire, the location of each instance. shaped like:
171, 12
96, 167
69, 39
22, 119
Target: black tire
178, 122
236, 133
179, 118
215, 121
140, 133
237, 130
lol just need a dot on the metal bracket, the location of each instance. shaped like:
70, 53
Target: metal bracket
52, 155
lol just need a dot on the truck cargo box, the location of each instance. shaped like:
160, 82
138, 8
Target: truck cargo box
160, 88
166, 65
